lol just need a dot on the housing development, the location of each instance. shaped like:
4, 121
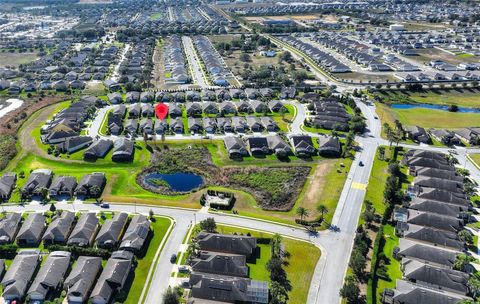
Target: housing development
239, 151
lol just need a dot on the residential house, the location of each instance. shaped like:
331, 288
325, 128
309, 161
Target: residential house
131, 126
329, 146
132, 97
276, 106
113, 277
37, 184
111, 231
147, 97
9, 226
234, 244
220, 263
258, 146
136, 234
59, 229
85, 230
235, 146
31, 231
49, 278
227, 108
224, 124
115, 98
278, 146
193, 109
418, 134
254, 123
176, 125
195, 125
225, 289
74, 143
91, 185
99, 149
7, 184
123, 150
19, 274
436, 278
134, 111
82, 278
209, 125
239, 124
62, 187
445, 137
259, 106
269, 124
146, 126
174, 110
303, 145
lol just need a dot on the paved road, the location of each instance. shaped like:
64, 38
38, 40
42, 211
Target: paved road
116, 74
194, 62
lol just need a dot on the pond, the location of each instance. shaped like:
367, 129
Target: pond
405, 106
178, 182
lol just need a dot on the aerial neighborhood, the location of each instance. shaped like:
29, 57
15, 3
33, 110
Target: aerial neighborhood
239, 151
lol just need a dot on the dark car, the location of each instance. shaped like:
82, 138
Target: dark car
173, 258
360, 164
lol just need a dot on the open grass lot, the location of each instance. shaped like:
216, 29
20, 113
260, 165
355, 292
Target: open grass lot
160, 227
476, 158
304, 257
460, 97
324, 186
392, 266
426, 118
426, 55
16, 59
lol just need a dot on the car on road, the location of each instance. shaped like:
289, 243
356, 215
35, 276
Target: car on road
105, 205
375, 117
361, 164
173, 258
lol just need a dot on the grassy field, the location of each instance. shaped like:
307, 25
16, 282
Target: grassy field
324, 186
160, 227
426, 118
304, 257
16, 59
460, 97
476, 158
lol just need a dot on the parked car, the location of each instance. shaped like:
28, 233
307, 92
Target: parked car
173, 258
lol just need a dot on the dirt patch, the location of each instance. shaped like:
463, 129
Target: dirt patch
12, 122
316, 186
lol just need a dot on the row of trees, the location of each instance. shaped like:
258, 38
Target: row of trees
279, 285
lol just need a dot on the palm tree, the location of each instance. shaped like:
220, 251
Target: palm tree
322, 209
302, 212
276, 245
193, 249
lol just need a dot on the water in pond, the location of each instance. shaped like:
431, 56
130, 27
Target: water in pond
179, 182
404, 106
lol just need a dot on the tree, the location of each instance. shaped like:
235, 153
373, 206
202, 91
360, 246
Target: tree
276, 245
350, 290
171, 296
52, 207
322, 209
302, 212
193, 249
465, 236
358, 262
278, 293
208, 225
474, 285
150, 213
461, 261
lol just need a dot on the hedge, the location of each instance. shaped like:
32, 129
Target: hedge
377, 247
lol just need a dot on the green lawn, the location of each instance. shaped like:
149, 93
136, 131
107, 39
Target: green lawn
429, 118
460, 97
304, 257
393, 266
160, 227
376, 184
476, 158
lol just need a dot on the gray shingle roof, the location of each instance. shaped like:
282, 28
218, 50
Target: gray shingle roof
136, 233
110, 233
50, 275
82, 277
84, 230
